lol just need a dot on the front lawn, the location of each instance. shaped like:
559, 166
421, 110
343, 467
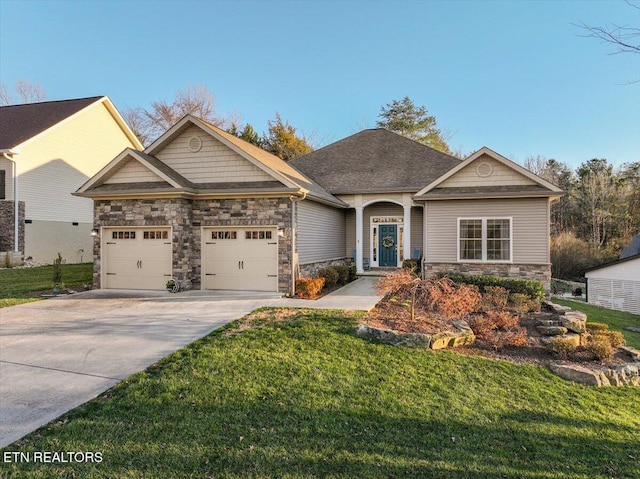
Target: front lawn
617, 320
19, 285
296, 394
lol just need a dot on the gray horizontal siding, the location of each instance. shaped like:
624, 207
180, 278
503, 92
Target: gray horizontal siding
530, 226
320, 232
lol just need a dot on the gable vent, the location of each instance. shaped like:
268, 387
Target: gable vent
195, 144
484, 169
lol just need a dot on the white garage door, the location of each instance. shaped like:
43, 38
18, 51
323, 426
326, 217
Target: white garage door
136, 258
240, 258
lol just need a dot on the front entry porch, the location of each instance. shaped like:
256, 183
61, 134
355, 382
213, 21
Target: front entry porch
384, 231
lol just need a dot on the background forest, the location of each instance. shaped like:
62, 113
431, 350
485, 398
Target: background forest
597, 217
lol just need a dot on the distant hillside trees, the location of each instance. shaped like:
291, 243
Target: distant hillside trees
597, 217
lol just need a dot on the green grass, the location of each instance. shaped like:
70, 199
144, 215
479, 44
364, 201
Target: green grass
305, 398
617, 320
20, 283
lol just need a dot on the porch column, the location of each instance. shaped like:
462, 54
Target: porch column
359, 239
407, 232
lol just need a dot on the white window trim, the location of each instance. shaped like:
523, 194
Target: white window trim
484, 239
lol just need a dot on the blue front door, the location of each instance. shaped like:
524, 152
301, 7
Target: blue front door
388, 245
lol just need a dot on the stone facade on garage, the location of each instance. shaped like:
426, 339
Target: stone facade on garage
244, 212
187, 218
7, 226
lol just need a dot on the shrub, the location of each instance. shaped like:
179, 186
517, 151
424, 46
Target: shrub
562, 349
343, 274
521, 303
412, 264
531, 288
494, 298
591, 327
309, 288
330, 276
600, 347
615, 338
498, 329
441, 296
57, 272
353, 273
501, 339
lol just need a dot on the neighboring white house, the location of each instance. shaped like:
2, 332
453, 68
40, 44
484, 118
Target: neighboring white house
55, 146
616, 285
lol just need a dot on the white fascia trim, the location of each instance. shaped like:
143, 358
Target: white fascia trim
496, 156
276, 175
129, 152
110, 108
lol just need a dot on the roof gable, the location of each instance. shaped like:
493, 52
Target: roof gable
145, 167
21, 124
375, 160
485, 170
274, 168
202, 158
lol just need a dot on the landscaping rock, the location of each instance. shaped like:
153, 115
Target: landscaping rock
412, 340
633, 352
632, 329
551, 330
580, 374
577, 315
462, 325
574, 323
546, 322
450, 339
554, 308
572, 339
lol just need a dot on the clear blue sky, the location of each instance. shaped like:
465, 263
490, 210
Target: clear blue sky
513, 76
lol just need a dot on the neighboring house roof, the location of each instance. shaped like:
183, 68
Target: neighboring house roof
286, 179
432, 190
612, 263
632, 249
20, 123
376, 160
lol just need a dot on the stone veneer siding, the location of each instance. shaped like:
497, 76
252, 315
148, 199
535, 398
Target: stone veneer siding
7, 215
187, 217
536, 272
245, 212
153, 212
311, 269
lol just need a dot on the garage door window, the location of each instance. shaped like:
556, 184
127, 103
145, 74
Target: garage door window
224, 235
257, 234
149, 235
123, 235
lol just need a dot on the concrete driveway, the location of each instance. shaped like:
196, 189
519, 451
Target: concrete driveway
58, 354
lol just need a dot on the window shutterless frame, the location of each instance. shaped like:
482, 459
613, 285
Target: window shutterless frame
481, 232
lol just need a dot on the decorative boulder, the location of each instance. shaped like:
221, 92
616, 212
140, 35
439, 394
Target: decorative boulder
580, 374
551, 330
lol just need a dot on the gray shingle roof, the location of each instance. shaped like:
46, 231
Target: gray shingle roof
18, 123
374, 161
632, 249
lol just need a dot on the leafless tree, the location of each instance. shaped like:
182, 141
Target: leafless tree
196, 100
25, 92
622, 37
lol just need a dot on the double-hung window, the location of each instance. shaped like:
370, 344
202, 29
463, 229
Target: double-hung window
484, 239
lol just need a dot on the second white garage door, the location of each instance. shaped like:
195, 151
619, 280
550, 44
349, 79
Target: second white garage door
240, 258
136, 258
